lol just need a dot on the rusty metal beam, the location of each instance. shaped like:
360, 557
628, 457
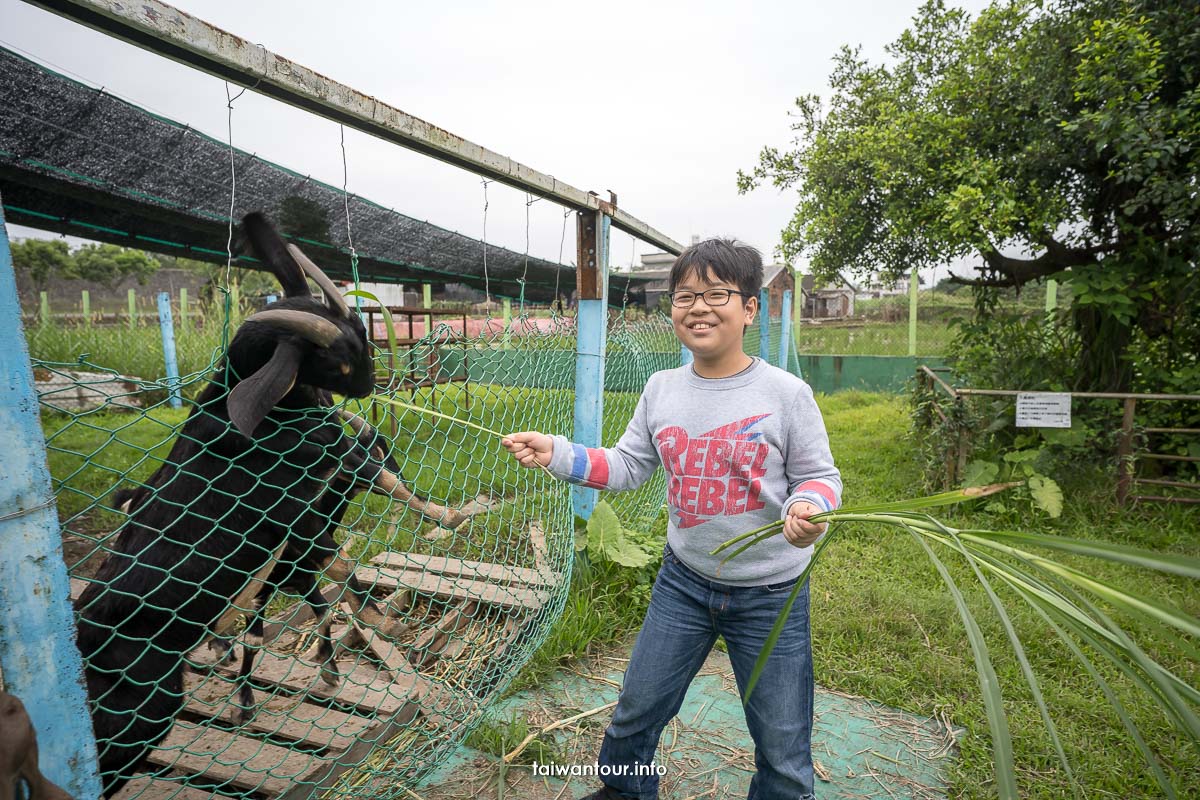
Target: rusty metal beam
164, 29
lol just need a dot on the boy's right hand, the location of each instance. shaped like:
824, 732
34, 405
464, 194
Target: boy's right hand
530, 448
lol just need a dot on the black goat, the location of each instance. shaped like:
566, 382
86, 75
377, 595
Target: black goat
244, 480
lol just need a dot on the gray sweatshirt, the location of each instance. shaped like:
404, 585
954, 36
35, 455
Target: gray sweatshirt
738, 452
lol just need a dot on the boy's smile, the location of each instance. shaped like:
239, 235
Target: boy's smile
714, 333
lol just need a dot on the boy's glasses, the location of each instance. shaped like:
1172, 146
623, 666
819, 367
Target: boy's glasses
712, 297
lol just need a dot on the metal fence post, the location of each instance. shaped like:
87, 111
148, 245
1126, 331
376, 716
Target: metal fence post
132, 309
43, 297
785, 333
592, 319
685, 356
38, 654
427, 302
183, 309
764, 325
168, 339
1051, 296
912, 312
86, 298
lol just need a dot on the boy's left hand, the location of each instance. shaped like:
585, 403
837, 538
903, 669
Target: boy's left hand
796, 527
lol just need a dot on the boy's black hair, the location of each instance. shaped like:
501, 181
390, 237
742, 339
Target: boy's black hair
724, 260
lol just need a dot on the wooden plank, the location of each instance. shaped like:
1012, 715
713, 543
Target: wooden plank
362, 687
459, 568
231, 760
147, 788
283, 629
326, 774
430, 644
446, 587
284, 716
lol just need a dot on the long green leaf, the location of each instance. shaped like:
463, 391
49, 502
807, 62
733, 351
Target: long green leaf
1035, 688
1110, 640
932, 501
1131, 728
1162, 562
777, 628
1006, 777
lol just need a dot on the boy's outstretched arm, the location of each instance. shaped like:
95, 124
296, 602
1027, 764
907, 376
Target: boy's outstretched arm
530, 448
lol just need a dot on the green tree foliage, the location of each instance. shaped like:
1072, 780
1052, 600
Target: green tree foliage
1046, 139
42, 259
109, 264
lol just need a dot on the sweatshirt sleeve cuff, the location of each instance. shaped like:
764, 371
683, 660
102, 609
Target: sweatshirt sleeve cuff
819, 494
562, 458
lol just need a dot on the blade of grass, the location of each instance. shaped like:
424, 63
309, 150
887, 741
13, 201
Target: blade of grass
1006, 778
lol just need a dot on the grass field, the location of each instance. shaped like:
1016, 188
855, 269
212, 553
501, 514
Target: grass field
884, 624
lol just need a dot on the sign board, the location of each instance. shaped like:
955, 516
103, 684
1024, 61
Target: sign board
1044, 410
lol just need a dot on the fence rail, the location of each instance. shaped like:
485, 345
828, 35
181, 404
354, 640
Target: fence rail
1127, 454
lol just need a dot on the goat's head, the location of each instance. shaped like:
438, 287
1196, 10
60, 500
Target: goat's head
297, 340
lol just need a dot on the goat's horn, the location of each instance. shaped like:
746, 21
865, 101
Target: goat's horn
389, 483
332, 296
316, 329
356, 422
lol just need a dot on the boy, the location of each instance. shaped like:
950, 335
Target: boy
743, 445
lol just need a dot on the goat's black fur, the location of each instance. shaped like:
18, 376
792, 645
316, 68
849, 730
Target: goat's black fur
220, 511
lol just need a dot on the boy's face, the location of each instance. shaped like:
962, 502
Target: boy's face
712, 333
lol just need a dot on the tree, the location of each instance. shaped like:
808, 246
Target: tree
42, 259
109, 264
1056, 139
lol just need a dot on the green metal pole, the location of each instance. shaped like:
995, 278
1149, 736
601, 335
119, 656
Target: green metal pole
507, 318
427, 302
45, 304
1051, 295
183, 308
132, 309
87, 308
912, 313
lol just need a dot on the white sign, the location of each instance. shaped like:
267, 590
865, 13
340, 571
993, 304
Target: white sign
1044, 410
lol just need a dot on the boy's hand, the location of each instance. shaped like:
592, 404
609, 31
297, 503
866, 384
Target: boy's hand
796, 527
530, 448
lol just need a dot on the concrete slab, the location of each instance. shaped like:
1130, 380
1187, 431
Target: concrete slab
861, 749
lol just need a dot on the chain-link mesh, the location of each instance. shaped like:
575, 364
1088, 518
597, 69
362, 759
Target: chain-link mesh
460, 609
377, 649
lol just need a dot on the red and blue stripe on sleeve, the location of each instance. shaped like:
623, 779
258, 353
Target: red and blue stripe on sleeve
589, 467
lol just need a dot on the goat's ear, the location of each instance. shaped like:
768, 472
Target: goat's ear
269, 246
253, 398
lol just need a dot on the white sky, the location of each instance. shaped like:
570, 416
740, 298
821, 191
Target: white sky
660, 102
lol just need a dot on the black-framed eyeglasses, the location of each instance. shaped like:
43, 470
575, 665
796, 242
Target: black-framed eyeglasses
712, 297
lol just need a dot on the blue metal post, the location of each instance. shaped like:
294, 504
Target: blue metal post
592, 321
685, 356
167, 326
271, 298
764, 326
785, 325
38, 654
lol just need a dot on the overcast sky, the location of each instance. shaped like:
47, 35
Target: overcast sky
660, 102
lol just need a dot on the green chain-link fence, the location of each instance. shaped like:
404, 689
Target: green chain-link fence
461, 609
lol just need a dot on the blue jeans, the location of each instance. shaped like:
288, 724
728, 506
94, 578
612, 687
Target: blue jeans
686, 614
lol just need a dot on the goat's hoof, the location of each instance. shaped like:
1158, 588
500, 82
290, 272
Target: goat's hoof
392, 628
331, 677
242, 715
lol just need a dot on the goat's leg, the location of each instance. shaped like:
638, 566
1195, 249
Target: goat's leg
322, 651
252, 641
362, 605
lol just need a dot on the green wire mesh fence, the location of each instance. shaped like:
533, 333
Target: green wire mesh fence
428, 619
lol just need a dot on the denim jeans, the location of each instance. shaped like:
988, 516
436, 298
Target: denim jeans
687, 612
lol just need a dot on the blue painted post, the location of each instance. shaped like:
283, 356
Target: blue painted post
592, 321
167, 325
785, 333
764, 326
685, 356
38, 654
271, 299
